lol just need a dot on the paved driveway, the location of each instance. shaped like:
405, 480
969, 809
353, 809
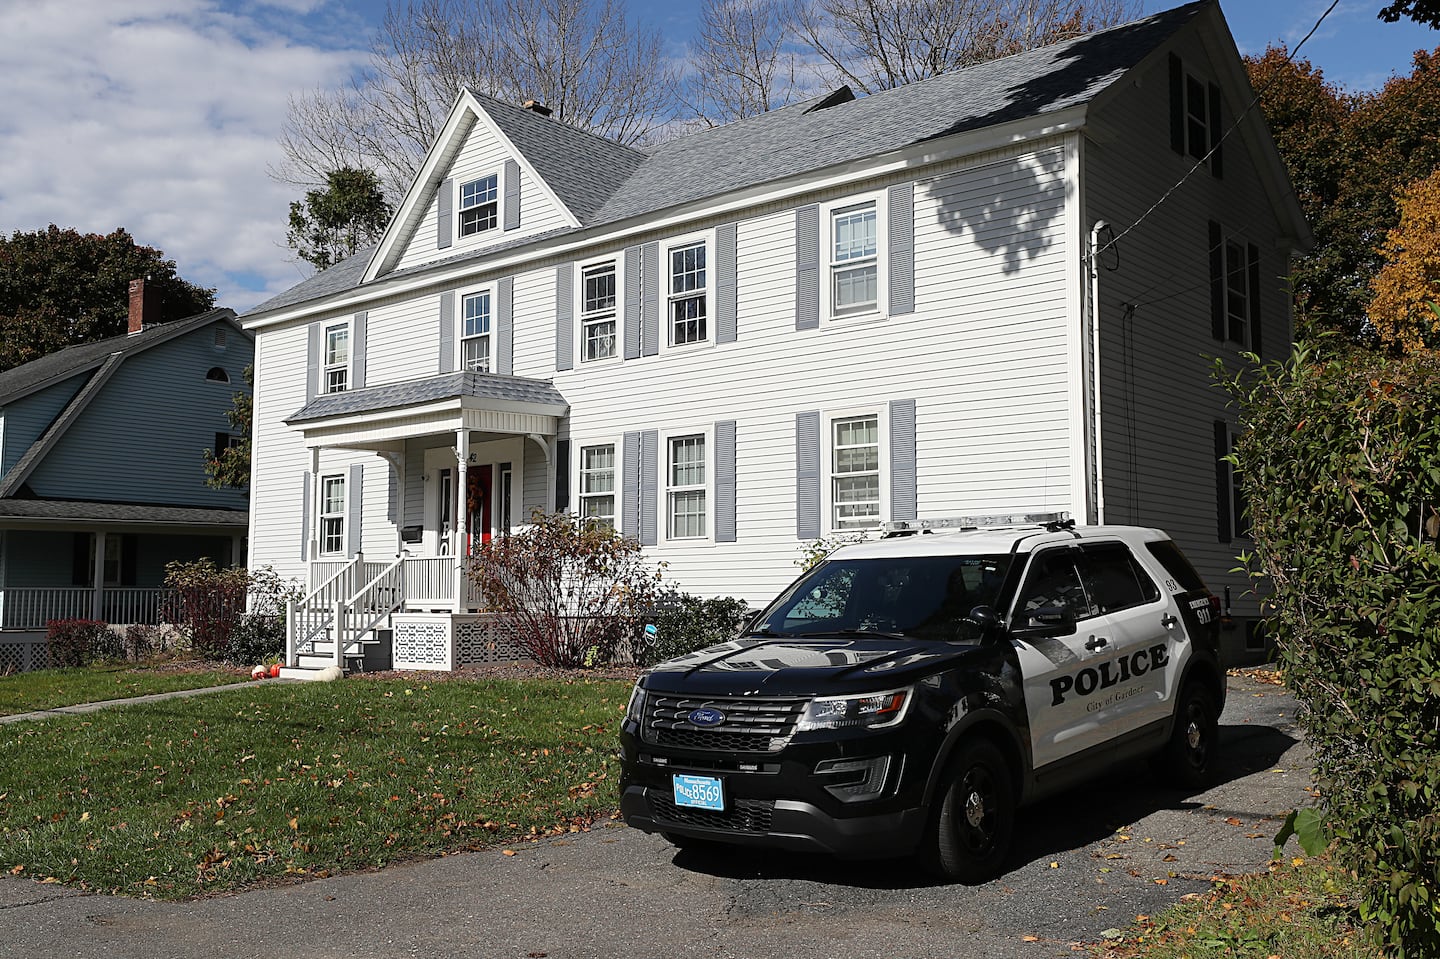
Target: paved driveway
1085, 862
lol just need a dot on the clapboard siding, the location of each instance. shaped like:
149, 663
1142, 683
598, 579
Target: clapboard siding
1158, 400
482, 153
128, 445
26, 420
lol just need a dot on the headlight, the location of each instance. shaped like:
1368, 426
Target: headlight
635, 709
869, 711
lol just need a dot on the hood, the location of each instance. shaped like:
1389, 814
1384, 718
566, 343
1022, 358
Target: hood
804, 667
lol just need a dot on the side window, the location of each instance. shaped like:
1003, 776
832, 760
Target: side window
1054, 580
688, 293
475, 333
332, 515
597, 312
479, 205
597, 483
855, 472
1115, 580
337, 358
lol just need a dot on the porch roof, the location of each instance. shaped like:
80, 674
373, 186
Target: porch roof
485, 402
36, 512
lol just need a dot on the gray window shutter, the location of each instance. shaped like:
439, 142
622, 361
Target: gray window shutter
305, 532
650, 300
725, 481
565, 316
649, 493
447, 332
504, 326
512, 195
312, 360
630, 485
1217, 130
903, 503
562, 476
357, 350
354, 508
807, 268
633, 286
1177, 105
1217, 283
807, 474
1255, 343
445, 215
1223, 533
725, 306
902, 248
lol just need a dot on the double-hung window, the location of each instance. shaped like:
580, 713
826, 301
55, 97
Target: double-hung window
597, 312
597, 483
687, 505
337, 358
687, 304
475, 332
332, 515
855, 471
479, 205
1237, 292
854, 260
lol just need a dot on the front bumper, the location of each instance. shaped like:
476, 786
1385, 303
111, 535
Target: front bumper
777, 824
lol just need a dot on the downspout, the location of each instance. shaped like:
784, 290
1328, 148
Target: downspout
1094, 262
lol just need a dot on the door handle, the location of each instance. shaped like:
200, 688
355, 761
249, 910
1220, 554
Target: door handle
1168, 621
1096, 642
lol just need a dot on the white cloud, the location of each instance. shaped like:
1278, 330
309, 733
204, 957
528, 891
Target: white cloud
161, 116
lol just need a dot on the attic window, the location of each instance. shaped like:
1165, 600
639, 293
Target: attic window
479, 205
217, 375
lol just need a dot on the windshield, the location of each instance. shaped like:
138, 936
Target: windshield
927, 597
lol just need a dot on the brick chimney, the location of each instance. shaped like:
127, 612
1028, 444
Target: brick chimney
535, 106
138, 306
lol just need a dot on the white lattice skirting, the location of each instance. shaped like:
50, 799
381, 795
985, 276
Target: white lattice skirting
442, 641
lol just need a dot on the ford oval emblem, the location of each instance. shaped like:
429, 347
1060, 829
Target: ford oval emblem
705, 716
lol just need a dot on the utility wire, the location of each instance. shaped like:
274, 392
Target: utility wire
1289, 58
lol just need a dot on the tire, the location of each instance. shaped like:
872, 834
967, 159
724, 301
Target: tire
970, 832
1188, 759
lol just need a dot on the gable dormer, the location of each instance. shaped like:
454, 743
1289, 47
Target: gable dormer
478, 189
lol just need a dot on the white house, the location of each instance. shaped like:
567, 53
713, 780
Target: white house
838, 313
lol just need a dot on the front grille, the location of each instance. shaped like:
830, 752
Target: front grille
751, 725
744, 815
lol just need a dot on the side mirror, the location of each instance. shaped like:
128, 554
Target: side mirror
1044, 622
981, 624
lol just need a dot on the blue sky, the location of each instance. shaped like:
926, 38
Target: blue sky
165, 120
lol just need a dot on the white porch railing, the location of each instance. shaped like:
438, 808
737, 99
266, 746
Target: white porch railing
32, 607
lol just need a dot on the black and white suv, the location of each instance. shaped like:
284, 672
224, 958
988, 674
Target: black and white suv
908, 694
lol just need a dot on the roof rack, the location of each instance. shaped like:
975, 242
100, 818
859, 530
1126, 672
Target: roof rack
907, 527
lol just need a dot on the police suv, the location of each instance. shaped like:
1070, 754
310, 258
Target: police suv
906, 695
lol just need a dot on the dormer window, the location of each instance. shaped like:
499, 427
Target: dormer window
479, 205
1196, 123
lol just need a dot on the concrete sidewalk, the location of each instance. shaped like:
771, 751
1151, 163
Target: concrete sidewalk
80, 709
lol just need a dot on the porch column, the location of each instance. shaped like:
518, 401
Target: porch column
237, 550
97, 596
462, 520
313, 533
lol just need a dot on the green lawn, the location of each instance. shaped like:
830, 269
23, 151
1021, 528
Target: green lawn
52, 688
185, 797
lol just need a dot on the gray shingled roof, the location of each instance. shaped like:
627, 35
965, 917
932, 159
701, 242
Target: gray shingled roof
433, 389
65, 363
75, 510
603, 182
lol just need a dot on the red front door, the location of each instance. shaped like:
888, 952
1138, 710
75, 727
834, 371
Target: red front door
478, 496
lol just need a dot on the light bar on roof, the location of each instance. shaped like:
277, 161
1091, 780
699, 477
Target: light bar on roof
998, 520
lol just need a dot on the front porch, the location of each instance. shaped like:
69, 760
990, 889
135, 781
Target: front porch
462, 452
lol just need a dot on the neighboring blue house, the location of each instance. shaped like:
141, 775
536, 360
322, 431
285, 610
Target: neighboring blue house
102, 479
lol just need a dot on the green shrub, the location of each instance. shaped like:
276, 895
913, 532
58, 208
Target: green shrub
574, 589
208, 604
685, 623
80, 642
1340, 461
256, 638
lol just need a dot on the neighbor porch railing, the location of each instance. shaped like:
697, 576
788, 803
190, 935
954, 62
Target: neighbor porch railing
32, 607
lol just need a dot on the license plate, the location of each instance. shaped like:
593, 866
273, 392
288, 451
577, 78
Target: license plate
699, 792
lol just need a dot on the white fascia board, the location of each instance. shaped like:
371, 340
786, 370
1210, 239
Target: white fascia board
446, 149
915, 157
429, 413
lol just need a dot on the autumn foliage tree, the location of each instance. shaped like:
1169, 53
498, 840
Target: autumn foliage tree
60, 287
1402, 309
